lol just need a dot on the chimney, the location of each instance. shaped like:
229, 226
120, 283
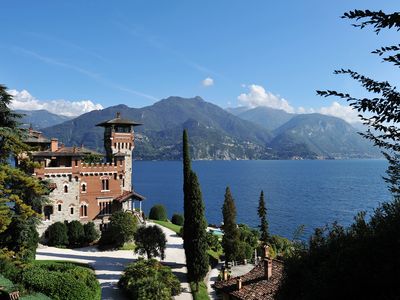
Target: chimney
54, 145
118, 115
239, 283
267, 268
266, 251
224, 274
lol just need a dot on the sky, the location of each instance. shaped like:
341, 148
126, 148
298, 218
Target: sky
70, 57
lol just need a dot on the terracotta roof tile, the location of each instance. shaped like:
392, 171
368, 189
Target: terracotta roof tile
254, 284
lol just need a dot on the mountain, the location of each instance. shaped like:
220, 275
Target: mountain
214, 133
40, 118
267, 117
320, 136
217, 134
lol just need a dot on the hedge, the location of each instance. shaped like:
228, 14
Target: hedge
177, 219
158, 212
62, 281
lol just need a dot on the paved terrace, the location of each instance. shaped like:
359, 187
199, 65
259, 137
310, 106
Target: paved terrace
108, 265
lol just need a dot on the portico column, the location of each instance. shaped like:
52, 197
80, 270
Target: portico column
140, 206
133, 204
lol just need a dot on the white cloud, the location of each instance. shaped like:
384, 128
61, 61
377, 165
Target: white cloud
208, 82
24, 100
341, 111
258, 96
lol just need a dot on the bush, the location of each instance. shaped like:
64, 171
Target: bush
149, 279
121, 229
76, 234
91, 233
57, 234
158, 212
62, 281
177, 219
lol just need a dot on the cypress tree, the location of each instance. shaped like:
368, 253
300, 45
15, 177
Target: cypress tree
198, 264
262, 213
195, 224
230, 240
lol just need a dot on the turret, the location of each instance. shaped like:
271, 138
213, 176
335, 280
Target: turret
119, 142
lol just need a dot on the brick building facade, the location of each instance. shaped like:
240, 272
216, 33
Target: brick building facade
89, 192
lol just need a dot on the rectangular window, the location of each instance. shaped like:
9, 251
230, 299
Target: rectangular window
105, 185
59, 207
71, 210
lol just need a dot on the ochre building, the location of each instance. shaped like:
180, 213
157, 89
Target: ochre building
88, 191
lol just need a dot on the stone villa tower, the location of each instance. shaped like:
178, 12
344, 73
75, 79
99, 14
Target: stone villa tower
119, 141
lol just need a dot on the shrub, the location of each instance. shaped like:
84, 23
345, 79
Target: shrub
158, 212
150, 240
76, 233
177, 219
149, 279
62, 281
213, 242
58, 234
121, 229
91, 233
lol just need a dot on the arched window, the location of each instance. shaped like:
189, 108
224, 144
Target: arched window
105, 185
59, 207
84, 211
65, 188
83, 187
71, 210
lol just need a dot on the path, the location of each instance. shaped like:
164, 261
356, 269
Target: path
108, 265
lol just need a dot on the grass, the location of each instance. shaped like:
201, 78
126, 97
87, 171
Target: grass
169, 225
202, 294
7, 284
214, 254
128, 246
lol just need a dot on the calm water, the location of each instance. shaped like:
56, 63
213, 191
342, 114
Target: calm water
312, 193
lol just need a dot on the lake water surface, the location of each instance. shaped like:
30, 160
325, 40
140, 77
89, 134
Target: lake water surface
308, 192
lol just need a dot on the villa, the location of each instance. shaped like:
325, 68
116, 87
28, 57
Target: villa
87, 191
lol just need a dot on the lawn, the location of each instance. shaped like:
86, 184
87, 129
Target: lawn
50, 261
169, 225
202, 294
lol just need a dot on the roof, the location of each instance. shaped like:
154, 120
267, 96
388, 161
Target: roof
128, 195
254, 284
118, 120
66, 151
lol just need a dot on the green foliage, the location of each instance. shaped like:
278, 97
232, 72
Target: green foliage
57, 234
248, 238
62, 281
177, 219
175, 228
195, 224
91, 233
230, 240
213, 242
150, 240
92, 158
149, 279
22, 238
199, 292
76, 234
158, 212
121, 229
262, 214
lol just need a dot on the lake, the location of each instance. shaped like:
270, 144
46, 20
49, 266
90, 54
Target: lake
309, 192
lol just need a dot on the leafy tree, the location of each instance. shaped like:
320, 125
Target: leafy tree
158, 212
248, 238
213, 242
177, 219
230, 240
76, 233
149, 279
361, 261
262, 214
380, 113
57, 234
21, 195
150, 240
122, 228
91, 233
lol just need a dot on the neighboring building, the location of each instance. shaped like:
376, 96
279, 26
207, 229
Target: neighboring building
261, 283
89, 192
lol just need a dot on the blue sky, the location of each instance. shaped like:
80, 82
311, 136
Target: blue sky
82, 53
